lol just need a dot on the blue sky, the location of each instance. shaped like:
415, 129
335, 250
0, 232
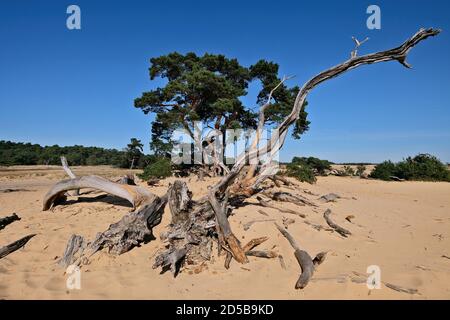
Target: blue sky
66, 87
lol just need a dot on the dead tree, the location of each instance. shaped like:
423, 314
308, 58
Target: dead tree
196, 223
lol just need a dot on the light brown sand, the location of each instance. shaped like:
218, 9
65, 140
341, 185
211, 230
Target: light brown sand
403, 227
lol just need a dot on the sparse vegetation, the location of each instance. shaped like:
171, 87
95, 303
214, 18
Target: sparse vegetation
301, 172
423, 167
161, 168
318, 166
360, 169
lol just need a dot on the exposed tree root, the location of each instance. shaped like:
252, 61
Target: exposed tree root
69, 172
249, 252
250, 223
343, 232
267, 204
307, 264
288, 197
132, 230
135, 195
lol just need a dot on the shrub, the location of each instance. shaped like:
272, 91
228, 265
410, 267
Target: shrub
161, 168
303, 173
360, 169
346, 171
384, 170
314, 163
423, 167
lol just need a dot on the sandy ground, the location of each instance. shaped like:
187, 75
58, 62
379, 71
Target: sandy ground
402, 227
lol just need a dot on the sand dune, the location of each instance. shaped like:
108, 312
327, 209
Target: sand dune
403, 227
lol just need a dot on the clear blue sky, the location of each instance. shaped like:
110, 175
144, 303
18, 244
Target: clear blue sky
65, 87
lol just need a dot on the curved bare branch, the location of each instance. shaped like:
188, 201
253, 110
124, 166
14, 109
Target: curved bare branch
134, 194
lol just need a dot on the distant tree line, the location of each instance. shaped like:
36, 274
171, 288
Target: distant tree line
19, 153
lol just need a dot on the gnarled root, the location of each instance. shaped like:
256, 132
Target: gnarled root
132, 230
307, 264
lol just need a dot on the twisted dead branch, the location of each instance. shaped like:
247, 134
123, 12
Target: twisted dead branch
307, 264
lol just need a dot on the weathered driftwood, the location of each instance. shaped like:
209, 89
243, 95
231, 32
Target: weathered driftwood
307, 264
224, 228
287, 222
247, 248
74, 251
268, 254
330, 197
317, 227
134, 194
9, 190
69, 172
289, 197
7, 220
16, 245
130, 231
277, 141
247, 225
267, 204
401, 289
191, 232
282, 263
263, 213
349, 218
342, 231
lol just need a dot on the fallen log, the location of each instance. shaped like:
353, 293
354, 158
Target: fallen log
8, 220
343, 232
16, 245
307, 264
134, 194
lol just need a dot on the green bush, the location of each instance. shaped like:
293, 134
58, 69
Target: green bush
384, 170
303, 173
423, 167
314, 163
161, 168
